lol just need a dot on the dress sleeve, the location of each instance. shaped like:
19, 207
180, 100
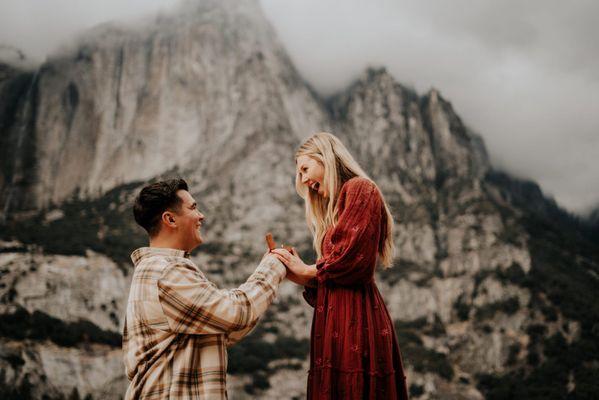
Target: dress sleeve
355, 237
309, 294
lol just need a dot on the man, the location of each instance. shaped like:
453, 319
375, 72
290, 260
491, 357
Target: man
178, 323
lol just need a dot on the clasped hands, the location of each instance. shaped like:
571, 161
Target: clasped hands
297, 271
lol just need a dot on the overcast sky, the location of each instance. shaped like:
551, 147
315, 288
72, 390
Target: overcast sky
523, 74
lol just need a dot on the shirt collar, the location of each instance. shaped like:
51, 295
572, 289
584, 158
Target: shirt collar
140, 253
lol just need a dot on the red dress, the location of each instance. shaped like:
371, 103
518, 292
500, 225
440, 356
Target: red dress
353, 351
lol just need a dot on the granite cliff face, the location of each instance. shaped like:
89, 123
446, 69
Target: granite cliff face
490, 292
127, 104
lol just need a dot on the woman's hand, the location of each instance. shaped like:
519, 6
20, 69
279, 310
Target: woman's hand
295, 278
300, 272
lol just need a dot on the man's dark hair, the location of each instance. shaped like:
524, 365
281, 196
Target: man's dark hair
155, 199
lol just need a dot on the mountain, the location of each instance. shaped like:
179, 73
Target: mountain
593, 221
129, 104
492, 291
593, 216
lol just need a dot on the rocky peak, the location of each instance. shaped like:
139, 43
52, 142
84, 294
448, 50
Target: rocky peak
126, 104
457, 150
13, 58
415, 145
381, 121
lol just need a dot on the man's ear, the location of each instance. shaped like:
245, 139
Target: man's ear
168, 219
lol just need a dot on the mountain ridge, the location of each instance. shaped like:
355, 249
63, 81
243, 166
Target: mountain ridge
493, 281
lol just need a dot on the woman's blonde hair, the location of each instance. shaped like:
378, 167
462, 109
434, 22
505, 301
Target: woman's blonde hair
339, 166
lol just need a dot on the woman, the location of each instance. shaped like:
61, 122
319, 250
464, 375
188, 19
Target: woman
354, 352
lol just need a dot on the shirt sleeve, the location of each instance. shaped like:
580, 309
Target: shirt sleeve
355, 237
236, 336
194, 305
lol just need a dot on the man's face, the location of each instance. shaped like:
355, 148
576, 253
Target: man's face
189, 221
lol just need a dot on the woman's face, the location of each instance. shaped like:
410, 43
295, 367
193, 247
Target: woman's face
311, 174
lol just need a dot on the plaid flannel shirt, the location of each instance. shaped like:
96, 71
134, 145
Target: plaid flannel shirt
178, 324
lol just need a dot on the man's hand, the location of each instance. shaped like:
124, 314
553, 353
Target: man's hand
268, 253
